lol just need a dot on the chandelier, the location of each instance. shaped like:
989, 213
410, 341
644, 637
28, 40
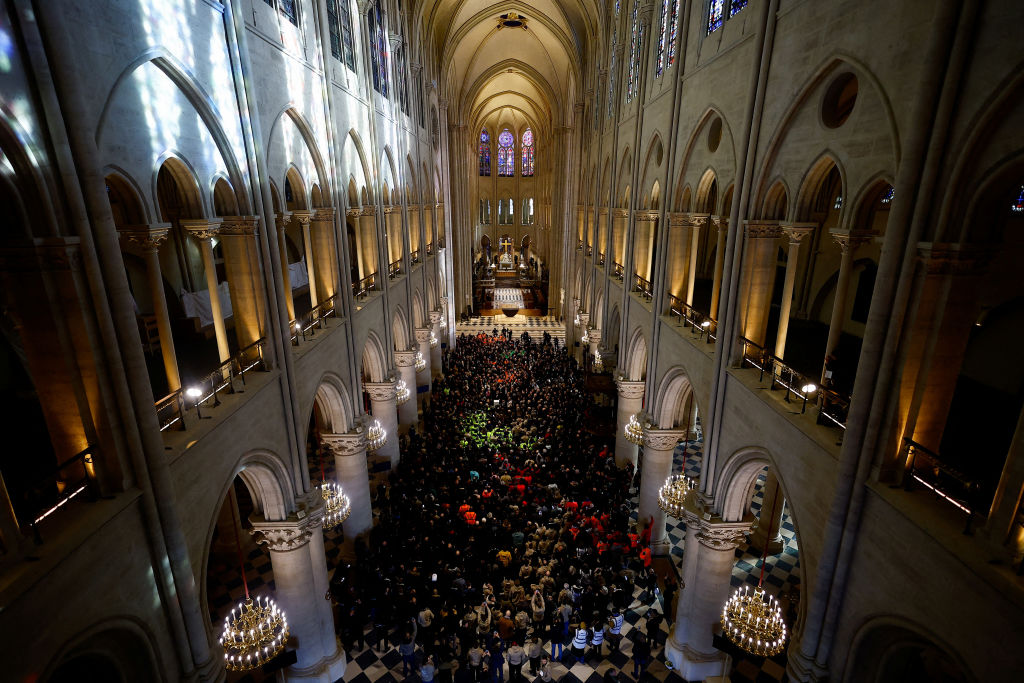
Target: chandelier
586, 336
376, 436
634, 430
672, 494
433, 341
421, 363
576, 321
754, 620
598, 362
254, 634
402, 392
336, 504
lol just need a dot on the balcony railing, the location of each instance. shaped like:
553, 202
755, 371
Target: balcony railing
171, 409
415, 256
579, 245
832, 406
71, 479
362, 289
950, 485
314, 320
701, 323
617, 271
600, 259
590, 251
643, 287
394, 269
430, 248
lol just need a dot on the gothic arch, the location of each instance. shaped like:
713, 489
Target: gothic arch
355, 165
881, 637
185, 178
125, 641
418, 315
670, 404
400, 329
334, 403
308, 139
374, 362
636, 356
724, 157
812, 181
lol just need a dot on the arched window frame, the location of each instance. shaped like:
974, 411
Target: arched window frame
673, 33
636, 38
506, 154
528, 153
611, 77
484, 153
339, 23
378, 48
716, 15
662, 35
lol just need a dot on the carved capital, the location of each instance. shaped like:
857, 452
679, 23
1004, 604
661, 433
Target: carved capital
302, 216
662, 439
240, 225
392, 208
629, 388
354, 213
46, 254
368, 211
282, 220
442, 104
415, 68
405, 359
678, 220
796, 232
145, 237
325, 214
280, 537
380, 391
762, 230
595, 336
353, 443
584, 319
953, 259
722, 535
720, 222
422, 335
848, 242
434, 316
646, 215
202, 228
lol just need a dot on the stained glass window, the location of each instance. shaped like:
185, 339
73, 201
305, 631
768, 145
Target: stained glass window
611, 79
378, 48
339, 22
528, 153
287, 8
618, 6
716, 15
661, 39
839, 202
1018, 206
736, 6
634, 55
506, 154
673, 33
485, 153
889, 194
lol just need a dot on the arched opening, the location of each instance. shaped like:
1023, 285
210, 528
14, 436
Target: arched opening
224, 200
887, 650
114, 654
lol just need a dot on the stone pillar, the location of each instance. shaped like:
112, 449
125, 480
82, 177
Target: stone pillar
423, 376
848, 244
706, 587
393, 225
414, 229
659, 444
631, 401
691, 270
643, 243
368, 234
303, 218
435, 351
620, 221
281, 223
721, 224
758, 278
406, 363
383, 408
796, 233
595, 338
300, 578
676, 280
356, 258
325, 252
769, 527
584, 324
351, 472
428, 217
204, 230
242, 267
148, 238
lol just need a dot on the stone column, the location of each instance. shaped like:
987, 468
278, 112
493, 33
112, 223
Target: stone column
631, 401
204, 230
383, 408
282, 247
769, 527
300, 578
242, 268
148, 238
303, 218
620, 221
584, 323
393, 225
659, 444
423, 376
691, 270
646, 227
721, 224
595, 338
368, 233
428, 217
435, 351
758, 277
352, 215
414, 229
796, 233
706, 587
325, 251
406, 363
678, 261
351, 472
848, 244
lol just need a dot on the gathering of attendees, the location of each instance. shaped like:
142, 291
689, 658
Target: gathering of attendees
503, 540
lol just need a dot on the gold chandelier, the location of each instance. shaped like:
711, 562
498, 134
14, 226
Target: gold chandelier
634, 430
402, 392
433, 341
376, 437
753, 620
586, 336
337, 507
598, 362
254, 634
421, 363
672, 494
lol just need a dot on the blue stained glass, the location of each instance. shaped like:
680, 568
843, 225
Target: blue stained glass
634, 55
485, 153
528, 155
1018, 206
672, 37
889, 194
716, 15
506, 154
661, 39
736, 6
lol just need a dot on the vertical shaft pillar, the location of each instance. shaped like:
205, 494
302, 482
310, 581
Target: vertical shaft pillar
796, 234
659, 445
384, 409
631, 400
204, 230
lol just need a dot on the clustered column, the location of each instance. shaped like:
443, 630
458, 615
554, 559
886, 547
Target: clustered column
631, 400
204, 230
796, 234
759, 259
241, 265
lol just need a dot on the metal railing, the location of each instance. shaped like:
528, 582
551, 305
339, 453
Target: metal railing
415, 255
362, 289
430, 248
643, 287
703, 325
394, 269
171, 409
831, 405
69, 480
949, 484
579, 245
314, 320
617, 271
600, 258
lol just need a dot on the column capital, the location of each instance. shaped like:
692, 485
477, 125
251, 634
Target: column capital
302, 216
413, 208
392, 208
699, 220
849, 241
380, 391
202, 228
354, 213
584, 319
630, 388
290, 534
49, 254
352, 443
953, 258
646, 215
677, 219
595, 336
796, 232
434, 316
422, 335
325, 213
370, 210
415, 68
282, 219
363, 6
662, 439
395, 39
762, 230
442, 103
405, 359
720, 222
145, 237
240, 225
722, 535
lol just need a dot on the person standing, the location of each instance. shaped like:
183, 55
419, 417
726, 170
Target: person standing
579, 641
475, 659
534, 651
641, 656
516, 657
496, 660
615, 630
427, 670
408, 649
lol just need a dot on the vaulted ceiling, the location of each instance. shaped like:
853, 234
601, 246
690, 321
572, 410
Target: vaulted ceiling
497, 75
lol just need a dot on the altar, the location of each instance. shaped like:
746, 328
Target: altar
506, 264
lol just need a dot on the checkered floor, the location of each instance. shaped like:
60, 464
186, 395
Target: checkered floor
509, 297
534, 325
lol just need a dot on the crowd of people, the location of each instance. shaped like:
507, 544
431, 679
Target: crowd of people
503, 539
